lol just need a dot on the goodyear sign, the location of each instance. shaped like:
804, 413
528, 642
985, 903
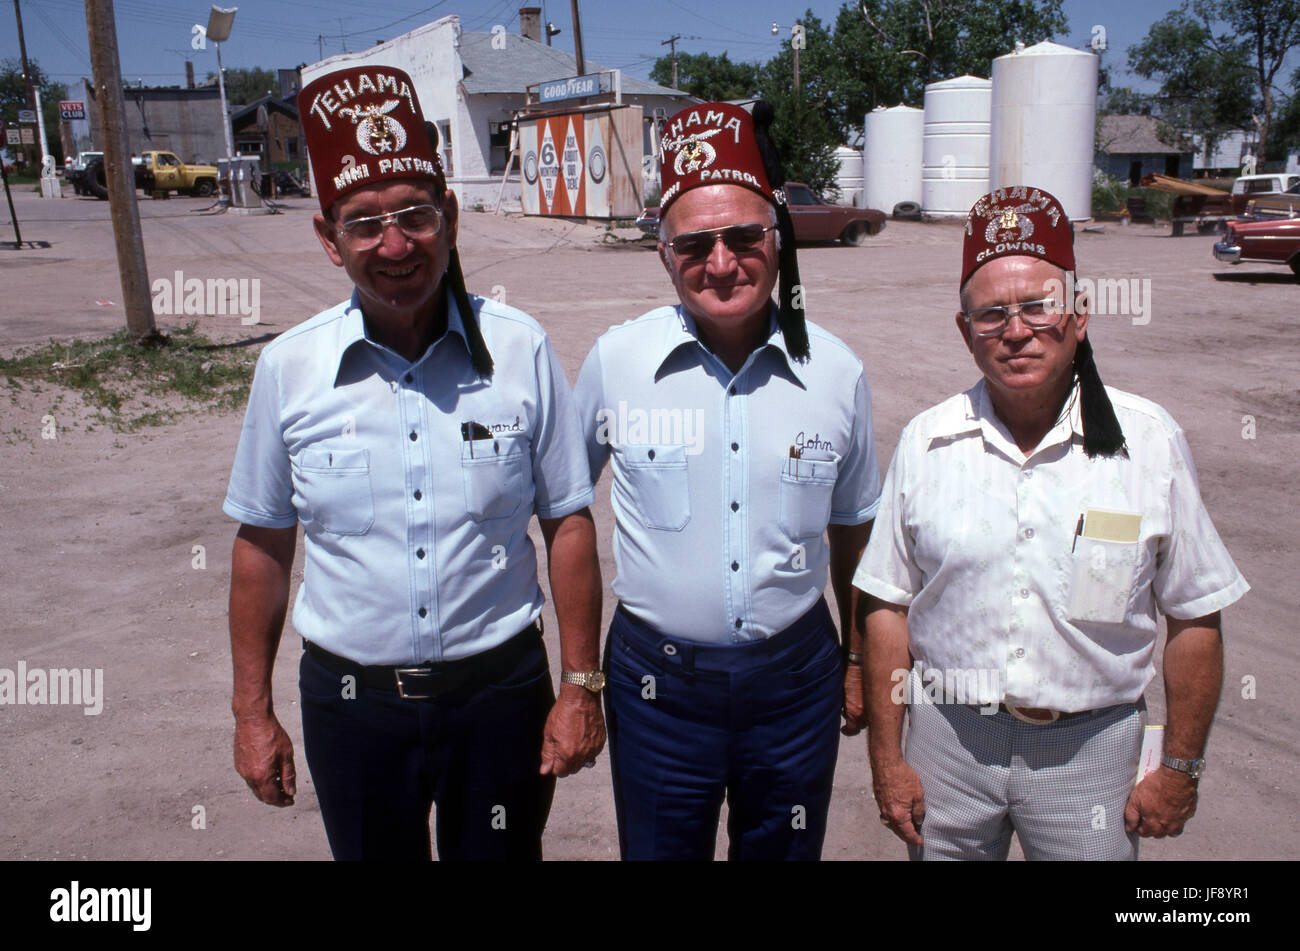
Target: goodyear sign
575, 87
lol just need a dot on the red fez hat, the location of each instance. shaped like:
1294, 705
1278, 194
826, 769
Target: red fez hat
363, 127
710, 144
1017, 220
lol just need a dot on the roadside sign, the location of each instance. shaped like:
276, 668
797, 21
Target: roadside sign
572, 88
13, 137
28, 136
72, 109
26, 115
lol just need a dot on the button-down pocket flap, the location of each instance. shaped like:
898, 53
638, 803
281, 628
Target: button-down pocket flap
660, 486
494, 472
1101, 580
335, 484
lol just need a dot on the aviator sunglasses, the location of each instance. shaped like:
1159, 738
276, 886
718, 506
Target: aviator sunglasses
739, 239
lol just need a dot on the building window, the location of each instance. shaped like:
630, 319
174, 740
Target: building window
499, 141
444, 136
291, 148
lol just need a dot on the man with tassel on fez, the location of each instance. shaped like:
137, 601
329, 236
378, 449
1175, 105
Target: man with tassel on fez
740, 439
413, 430
1030, 530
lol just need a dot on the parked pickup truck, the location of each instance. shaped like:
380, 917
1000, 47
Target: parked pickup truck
1269, 240
1285, 205
164, 172
1208, 212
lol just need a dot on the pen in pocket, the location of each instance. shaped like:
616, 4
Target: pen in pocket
1078, 530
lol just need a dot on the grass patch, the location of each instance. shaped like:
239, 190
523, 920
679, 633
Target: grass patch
117, 375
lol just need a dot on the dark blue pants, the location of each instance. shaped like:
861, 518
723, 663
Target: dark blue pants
379, 762
690, 723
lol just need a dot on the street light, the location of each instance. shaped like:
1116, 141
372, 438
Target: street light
220, 20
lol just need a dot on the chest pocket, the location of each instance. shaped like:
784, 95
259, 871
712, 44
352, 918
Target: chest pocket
1101, 580
659, 485
336, 486
496, 474
806, 488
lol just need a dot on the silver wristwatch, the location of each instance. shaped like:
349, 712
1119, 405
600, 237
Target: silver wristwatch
1192, 767
593, 680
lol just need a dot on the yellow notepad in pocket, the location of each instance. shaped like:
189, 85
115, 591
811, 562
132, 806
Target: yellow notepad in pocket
1111, 526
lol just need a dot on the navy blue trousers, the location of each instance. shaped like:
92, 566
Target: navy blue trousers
690, 724
379, 763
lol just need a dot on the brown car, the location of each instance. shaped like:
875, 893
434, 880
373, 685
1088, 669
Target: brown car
1273, 241
813, 219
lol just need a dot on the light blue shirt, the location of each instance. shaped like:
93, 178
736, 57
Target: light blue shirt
416, 540
720, 532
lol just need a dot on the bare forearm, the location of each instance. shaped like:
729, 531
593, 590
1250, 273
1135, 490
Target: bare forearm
261, 562
886, 654
847, 543
1193, 670
574, 570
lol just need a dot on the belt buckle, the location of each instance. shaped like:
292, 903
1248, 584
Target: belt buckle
401, 687
1015, 712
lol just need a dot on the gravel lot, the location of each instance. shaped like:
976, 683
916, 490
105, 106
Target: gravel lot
97, 552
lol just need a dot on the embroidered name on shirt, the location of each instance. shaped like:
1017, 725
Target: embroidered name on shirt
814, 441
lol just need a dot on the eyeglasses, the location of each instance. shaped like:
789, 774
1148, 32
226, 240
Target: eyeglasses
417, 221
1045, 314
739, 239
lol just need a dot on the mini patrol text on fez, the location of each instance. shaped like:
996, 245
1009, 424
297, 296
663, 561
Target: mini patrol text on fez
717, 143
364, 126
1026, 220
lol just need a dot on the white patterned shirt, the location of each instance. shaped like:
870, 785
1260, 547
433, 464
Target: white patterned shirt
980, 543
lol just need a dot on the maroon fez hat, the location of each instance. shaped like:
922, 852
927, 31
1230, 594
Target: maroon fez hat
363, 127
710, 144
1017, 220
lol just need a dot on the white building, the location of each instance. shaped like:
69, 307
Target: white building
471, 85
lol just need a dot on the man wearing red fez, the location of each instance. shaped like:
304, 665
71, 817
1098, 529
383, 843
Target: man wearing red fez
744, 472
1030, 530
413, 430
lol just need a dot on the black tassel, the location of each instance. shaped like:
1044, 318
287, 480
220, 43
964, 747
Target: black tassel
1102, 434
791, 315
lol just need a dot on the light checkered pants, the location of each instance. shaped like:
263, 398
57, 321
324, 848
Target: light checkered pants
1061, 787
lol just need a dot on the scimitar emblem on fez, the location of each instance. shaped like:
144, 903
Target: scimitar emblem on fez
1008, 220
695, 153
377, 131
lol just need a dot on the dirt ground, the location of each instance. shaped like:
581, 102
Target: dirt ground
98, 565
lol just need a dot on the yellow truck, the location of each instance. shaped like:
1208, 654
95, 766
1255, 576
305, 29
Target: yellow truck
163, 172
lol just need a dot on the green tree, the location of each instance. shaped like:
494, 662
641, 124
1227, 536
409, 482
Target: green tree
708, 77
13, 96
1205, 81
244, 86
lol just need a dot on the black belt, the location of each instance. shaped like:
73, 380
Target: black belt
430, 680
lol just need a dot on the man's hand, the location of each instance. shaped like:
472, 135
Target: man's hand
575, 732
1161, 804
264, 757
899, 797
855, 708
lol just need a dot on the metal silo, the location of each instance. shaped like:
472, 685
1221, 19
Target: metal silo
1043, 123
955, 152
891, 157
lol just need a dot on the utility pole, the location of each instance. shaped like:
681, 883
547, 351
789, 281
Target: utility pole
101, 30
671, 42
577, 38
797, 43
27, 73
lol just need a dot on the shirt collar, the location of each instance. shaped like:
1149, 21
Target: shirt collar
684, 331
974, 413
353, 328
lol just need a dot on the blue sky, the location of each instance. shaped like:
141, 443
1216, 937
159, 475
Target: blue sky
154, 37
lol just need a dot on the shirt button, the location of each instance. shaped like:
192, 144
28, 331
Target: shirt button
1024, 592
735, 446
735, 566
733, 393
739, 623
735, 506
418, 495
1029, 533
1020, 652
413, 437
1028, 473
409, 378
424, 612
650, 455
419, 553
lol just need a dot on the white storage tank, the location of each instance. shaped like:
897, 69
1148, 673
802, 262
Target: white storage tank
849, 177
1043, 123
955, 151
891, 157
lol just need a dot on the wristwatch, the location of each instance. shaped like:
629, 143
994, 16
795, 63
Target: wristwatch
1192, 767
593, 681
